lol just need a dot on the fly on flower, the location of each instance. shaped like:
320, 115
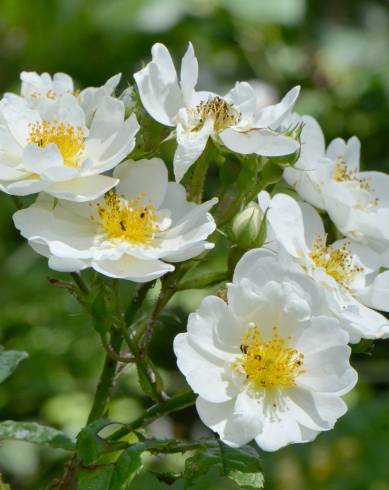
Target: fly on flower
234, 119
57, 140
133, 232
272, 363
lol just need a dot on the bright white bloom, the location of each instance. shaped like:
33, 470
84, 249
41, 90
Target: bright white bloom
269, 365
130, 233
61, 143
348, 271
41, 88
357, 202
233, 119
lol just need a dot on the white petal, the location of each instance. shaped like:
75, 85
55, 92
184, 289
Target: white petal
66, 264
190, 146
19, 118
313, 224
143, 176
376, 294
324, 332
189, 74
237, 422
82, 188
286, 219
203, 326
23, 187
328, 371
272, 116
132, 269
108, 118
259, 141
189, 252
199, 369
158, 86
120, 145
243, 97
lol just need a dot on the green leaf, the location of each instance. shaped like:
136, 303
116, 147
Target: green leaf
241, 465
147, 481
90, 446
36, 434
97, 478
9, 360
126, 467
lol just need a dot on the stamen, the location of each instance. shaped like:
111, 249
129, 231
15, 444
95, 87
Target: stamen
337, 262
68, 139
223, 114
132, 221
269, 364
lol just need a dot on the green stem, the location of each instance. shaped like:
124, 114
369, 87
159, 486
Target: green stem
80, 282
107, 378
174, 404
196, 189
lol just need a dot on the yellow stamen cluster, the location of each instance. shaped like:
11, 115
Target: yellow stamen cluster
342, 174
337, 262
271, 363
50, 94
132, 221
68, 139
223, 114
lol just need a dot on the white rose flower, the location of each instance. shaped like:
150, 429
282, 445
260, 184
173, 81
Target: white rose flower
357, 202
347, 271
61, 148
269, 365
233, 119
42, 88
130, 233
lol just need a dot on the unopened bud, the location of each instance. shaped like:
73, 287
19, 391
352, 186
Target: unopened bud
128, 98
248, 227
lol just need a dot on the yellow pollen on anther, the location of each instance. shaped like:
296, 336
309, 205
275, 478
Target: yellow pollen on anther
132, 221
50, 94
68, 139
337, 262
342, 174
223, 114
271, 363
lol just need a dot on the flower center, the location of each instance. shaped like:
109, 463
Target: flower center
269, 364
223, 114
132, 221
337, 262
342, 174
68, 139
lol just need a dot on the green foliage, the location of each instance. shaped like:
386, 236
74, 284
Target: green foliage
97, 478
9, 361
36, 434
240, 465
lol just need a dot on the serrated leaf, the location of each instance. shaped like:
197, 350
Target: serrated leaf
36, 434
241, 465
9, 360
126, 467
98, 478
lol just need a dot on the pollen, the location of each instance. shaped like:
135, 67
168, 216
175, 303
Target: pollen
271, 363
220, 111
50, 94
132, 221
337, 262
342, 174
68, 139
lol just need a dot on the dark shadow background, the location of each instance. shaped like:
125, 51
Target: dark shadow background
338, 51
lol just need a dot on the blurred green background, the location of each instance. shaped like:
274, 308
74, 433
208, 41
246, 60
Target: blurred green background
338, 51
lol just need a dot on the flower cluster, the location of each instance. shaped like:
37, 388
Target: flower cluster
268, 357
